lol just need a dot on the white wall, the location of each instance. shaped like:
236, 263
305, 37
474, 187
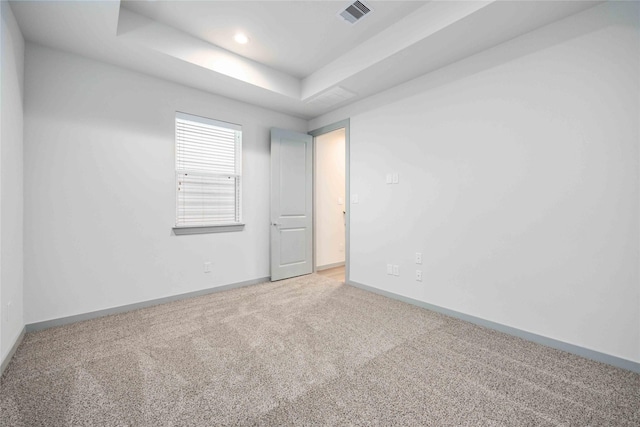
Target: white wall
329, 191
11, 182
519, 183
99, 189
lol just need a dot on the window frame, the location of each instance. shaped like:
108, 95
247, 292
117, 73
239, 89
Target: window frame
182, 229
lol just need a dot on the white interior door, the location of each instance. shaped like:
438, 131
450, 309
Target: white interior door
291, 204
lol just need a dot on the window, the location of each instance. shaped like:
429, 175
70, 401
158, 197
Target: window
208, 173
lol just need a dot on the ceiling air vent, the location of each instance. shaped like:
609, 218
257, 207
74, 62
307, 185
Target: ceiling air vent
354, 12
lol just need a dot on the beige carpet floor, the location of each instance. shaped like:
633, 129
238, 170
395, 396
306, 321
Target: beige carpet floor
304, 351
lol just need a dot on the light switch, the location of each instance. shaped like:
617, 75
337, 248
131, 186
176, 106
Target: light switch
389, 269
395, 178
389, 178
396, 270
340, 200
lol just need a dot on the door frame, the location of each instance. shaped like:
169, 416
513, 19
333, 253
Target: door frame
343, 124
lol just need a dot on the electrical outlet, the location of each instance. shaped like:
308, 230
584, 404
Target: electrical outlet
396, 270
389, 269
419, 275
207, 267
418, 258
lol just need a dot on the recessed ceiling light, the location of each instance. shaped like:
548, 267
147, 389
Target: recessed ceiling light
241, 38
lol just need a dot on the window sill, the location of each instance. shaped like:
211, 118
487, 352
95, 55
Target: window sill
204, 229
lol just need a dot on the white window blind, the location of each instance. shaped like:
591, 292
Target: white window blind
208, 172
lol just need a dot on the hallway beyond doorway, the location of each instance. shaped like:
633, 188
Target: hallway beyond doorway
336, 273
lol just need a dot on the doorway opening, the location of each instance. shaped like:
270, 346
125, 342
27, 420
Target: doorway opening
294, 226
330, 202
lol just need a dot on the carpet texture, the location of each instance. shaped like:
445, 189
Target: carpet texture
304, 351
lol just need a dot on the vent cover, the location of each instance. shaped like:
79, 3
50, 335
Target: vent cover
334, 96
354, 12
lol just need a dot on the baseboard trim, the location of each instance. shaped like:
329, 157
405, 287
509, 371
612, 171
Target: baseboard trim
529, 336
14, 347
329, 266
38, 326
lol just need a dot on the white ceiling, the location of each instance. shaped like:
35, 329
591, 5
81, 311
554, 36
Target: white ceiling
295, 37
301, 59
